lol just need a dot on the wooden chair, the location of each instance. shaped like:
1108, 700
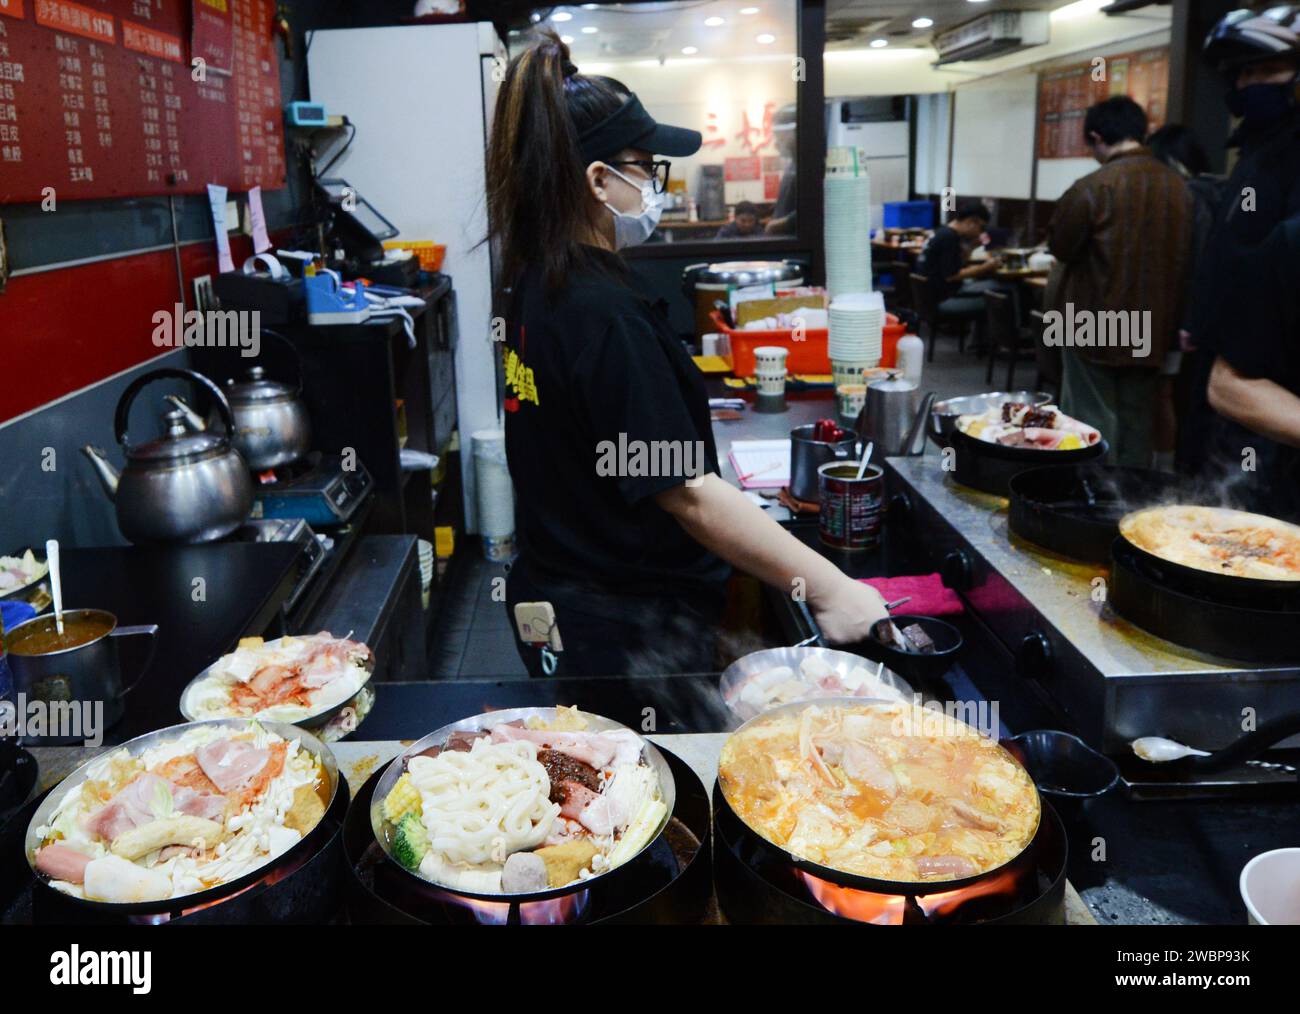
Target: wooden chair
1006, 337
927, 309
897, 291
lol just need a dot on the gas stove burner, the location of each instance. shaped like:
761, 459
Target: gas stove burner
290, 471
317, 489
759, 883
667, 883
1245, 630
301, 888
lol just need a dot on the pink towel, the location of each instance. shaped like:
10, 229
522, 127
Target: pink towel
929, 595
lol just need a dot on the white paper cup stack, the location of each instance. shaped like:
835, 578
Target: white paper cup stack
857, 323
847, 222
769, 368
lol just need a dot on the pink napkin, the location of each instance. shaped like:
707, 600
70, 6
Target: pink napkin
929, 595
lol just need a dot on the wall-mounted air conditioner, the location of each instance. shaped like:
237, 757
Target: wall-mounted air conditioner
992, 35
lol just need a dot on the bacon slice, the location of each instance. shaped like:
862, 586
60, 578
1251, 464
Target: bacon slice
130, 807
599, 749
230, 763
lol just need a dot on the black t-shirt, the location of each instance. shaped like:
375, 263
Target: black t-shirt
1246, 308
940, 260
604, 409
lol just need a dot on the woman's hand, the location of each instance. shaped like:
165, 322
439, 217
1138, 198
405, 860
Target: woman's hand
848, 611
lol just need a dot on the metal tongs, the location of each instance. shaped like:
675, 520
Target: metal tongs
816, 638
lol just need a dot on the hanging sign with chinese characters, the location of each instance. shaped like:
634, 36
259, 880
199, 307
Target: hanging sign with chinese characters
105, 98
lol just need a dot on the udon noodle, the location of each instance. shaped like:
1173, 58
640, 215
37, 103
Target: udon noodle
483, 804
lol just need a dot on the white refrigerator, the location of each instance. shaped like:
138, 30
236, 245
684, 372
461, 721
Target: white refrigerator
421, 98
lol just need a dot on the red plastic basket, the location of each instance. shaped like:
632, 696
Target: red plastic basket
806, 356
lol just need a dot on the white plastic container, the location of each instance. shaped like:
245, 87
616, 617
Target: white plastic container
911, 358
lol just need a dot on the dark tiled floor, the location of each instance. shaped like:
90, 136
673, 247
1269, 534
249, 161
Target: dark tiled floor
475, 639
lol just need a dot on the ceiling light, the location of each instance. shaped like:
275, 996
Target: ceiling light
561, 16
589, 29
534, 17
590, 7
923, 22
765, 39
689, 51
749, 10
879, 43
715, 21
567, 39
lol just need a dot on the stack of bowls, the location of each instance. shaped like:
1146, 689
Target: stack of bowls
847, 222
857, 323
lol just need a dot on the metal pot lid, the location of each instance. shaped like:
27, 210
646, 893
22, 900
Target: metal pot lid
179, 443
257, 386
750, 272
893, 382
193, 445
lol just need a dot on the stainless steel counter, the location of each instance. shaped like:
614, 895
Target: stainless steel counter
1113, 679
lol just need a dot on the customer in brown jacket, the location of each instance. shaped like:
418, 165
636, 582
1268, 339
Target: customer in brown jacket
1122, 239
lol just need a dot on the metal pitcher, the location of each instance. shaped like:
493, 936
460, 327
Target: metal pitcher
893, 417
808, 454
87, 673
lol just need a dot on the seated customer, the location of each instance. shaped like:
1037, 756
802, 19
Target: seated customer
744, 224
956, 287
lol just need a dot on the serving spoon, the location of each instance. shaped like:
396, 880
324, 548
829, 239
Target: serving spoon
1159, 750
866, 457
56, 581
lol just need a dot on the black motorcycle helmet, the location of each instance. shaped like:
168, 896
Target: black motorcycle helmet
1244, 36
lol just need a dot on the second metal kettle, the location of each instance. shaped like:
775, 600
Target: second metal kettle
892, 416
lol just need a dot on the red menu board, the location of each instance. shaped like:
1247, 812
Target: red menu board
1064, 95
98, 98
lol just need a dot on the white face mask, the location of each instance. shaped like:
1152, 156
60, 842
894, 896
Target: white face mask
630, 230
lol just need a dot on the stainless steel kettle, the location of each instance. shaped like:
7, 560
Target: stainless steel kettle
272, 427
183, 487
892, 418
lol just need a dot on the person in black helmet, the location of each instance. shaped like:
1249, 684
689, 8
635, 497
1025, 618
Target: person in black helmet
626, 531
1246, 322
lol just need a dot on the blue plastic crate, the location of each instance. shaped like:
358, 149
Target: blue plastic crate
909, 215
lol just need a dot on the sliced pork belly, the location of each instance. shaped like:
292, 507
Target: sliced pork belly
231, 763
130, 807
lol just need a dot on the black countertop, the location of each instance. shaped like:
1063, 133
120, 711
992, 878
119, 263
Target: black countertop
203, 599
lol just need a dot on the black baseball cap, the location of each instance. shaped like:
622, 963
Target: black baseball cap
630, 126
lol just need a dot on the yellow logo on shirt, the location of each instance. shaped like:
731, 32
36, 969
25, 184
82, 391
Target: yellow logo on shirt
519, 378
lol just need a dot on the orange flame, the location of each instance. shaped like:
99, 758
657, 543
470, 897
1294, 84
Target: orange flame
547, 912
888, 909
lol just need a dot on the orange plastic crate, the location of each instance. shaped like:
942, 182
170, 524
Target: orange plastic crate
807, 356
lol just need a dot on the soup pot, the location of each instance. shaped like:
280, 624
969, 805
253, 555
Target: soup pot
86, 671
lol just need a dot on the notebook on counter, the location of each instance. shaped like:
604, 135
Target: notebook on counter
761, 464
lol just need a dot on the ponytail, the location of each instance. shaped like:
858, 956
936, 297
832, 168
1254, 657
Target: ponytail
540, 207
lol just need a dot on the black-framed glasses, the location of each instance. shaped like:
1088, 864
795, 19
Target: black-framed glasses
656, 171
